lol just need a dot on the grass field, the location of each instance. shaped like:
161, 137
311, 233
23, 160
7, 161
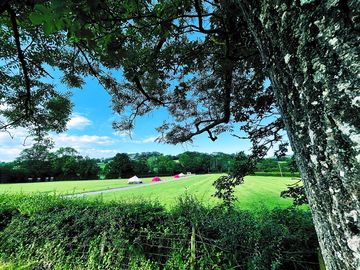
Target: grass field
256, 192
68, 187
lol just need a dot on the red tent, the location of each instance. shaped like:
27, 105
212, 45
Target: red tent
156, 179
177, 176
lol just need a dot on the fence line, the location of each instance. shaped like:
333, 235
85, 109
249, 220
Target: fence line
162, 247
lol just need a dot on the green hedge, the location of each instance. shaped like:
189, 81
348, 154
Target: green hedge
284, 174
76, 234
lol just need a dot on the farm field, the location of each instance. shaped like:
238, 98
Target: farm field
256, 192
65, 187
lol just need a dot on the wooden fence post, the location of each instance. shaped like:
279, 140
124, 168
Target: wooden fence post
192, 249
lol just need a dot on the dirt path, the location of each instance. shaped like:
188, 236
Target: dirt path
123, 188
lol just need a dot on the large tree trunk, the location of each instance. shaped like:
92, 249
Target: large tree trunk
312, 51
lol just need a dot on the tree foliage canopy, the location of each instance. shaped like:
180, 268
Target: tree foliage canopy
195, 58
28, 56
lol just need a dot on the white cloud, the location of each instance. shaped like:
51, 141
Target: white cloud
150, 139
9, 151
106, 151
16, 134
13, 142
98, 153
11, 146
78, 121
81, 140
122, 133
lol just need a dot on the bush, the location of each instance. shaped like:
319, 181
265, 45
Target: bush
285, 238
284, 174
6, 215
77, 234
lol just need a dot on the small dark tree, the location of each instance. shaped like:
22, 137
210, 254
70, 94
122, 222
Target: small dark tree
87, 168
140, 167
64, 163
119, 167
36, 161
11, 173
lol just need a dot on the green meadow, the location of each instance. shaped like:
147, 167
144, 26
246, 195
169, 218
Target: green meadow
65, 187
256, 192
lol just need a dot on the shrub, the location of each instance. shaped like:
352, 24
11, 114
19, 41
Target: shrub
284, 174
6, 215
77, 234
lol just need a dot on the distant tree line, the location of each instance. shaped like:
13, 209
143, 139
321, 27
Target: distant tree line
154, 163
277, 166
38, 163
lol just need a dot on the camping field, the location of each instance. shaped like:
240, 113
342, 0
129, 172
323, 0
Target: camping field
114, 223
66, 187
256, 192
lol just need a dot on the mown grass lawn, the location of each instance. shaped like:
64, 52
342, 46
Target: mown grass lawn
256, 192
64, 187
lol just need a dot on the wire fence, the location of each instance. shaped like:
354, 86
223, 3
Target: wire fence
182, 244
164, 250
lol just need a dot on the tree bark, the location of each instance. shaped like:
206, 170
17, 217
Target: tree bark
312, 52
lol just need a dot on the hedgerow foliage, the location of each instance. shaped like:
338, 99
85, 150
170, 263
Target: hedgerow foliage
77, 234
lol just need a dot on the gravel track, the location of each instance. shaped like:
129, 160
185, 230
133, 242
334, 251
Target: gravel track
123, 188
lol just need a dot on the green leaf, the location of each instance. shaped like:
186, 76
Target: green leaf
59, 24
74, 39
49, 28
36, 18
42, 9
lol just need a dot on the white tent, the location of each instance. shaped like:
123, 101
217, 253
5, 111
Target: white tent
134, 180
181, 174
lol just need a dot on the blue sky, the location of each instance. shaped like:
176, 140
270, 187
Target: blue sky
90, 131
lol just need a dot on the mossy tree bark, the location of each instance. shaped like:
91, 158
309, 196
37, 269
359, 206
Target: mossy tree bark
312, 52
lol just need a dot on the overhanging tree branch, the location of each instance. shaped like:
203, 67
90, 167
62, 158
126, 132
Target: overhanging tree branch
22, 60
8, 125
139, 87
40, 68
226, 109
91, 68
200, 19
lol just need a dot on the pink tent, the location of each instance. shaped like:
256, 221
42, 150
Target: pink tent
177, 176
156, 179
